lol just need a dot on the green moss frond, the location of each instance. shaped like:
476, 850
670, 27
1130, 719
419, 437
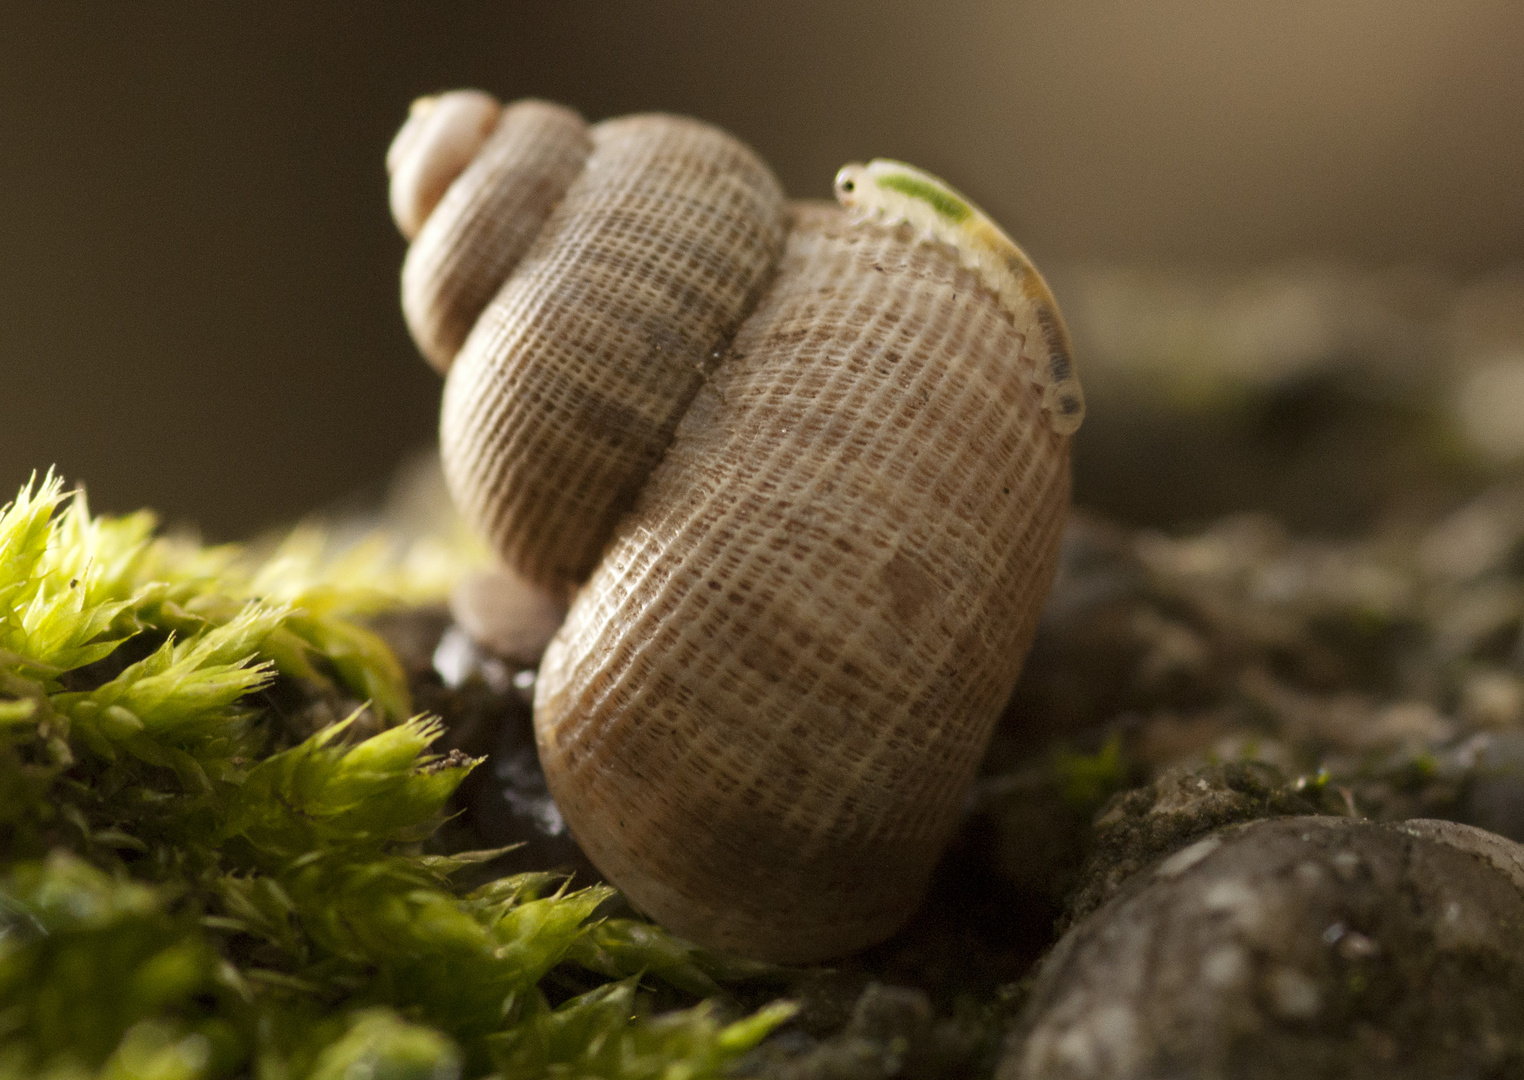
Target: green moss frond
604, 1033
63, 582
188, 892
88, 956
382, 1045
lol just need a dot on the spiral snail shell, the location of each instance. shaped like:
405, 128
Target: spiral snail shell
801, 471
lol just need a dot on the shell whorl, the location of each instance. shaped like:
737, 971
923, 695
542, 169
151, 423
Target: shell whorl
812, 504
441, 136
567, 390
481, 228
876, 585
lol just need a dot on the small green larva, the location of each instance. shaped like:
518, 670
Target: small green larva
894, 191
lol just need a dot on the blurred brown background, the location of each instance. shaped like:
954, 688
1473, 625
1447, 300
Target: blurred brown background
198, 276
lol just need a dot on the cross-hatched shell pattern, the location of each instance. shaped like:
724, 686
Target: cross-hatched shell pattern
820, 508
875, 585
486, 222
568, 389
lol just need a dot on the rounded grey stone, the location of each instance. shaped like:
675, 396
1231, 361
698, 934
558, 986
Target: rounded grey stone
1302, 946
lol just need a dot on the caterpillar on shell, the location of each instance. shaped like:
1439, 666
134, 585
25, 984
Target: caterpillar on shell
893, 191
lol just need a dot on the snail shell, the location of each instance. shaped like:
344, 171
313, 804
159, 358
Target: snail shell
800, 476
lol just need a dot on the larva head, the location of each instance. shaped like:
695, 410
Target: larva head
851, 181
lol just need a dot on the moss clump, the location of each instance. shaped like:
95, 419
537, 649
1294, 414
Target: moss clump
197, 879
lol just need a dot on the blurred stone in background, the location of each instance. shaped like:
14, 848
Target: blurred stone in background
1325, 394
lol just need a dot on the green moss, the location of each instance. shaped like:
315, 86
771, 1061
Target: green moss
190, 886
1088, 780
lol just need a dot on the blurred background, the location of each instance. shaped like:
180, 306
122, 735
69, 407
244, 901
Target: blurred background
1284, 234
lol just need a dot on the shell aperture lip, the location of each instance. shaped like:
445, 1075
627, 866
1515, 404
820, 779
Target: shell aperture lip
894, 192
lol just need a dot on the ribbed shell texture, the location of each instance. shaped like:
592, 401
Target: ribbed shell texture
809, 474
486, 222
568, 389
766, 706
